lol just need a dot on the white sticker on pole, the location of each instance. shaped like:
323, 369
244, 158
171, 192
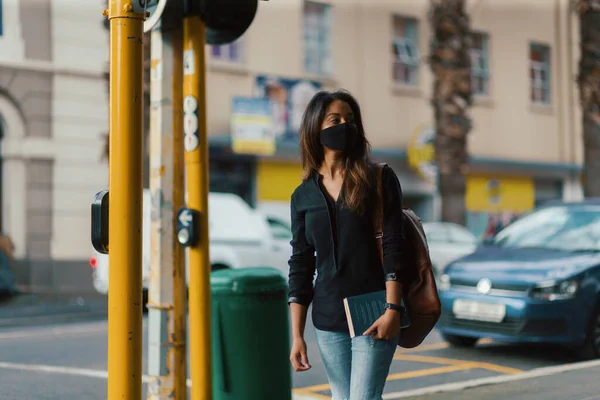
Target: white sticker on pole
190, 123
188, 62
139, 6
190, 142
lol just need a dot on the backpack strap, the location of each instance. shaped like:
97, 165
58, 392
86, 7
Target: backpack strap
379, 211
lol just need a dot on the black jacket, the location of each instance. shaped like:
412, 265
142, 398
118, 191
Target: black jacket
340, 245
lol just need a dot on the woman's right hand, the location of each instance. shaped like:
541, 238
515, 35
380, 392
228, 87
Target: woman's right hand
298, 355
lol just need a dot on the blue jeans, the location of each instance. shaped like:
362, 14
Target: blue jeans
357, 368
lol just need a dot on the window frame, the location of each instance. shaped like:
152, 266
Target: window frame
317, 38
537, 68
480, 55
409, 45
225, 57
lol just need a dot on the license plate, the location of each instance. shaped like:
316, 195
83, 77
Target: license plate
474, 310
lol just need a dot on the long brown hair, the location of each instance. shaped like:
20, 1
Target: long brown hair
358, 179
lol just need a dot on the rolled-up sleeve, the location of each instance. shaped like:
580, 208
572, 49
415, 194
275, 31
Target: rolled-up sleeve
302, 262
394, 240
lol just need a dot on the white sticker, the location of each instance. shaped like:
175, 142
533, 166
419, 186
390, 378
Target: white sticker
190, 124
190, 104
190, 142
188, 62
139, 6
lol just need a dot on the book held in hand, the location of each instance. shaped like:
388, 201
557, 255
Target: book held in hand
363, 310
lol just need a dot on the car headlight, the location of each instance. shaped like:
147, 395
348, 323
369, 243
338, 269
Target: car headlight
555, 290
443, 282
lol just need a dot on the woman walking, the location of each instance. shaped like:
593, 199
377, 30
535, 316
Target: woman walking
332, 214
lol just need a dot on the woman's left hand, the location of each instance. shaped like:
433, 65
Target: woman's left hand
386, 327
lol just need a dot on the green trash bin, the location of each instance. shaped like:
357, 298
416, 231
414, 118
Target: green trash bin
250, 335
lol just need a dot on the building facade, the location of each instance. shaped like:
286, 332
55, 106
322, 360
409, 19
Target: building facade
53, 115
525, 144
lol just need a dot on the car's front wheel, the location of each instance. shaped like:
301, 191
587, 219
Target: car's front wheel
460, 341
590, 349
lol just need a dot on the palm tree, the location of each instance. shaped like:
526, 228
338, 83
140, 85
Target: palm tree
588, 81
451, 66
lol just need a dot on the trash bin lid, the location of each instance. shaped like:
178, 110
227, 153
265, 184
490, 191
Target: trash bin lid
247, 280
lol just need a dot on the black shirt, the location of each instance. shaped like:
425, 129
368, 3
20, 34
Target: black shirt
341, 246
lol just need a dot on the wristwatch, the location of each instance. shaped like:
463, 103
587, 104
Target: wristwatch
400, 309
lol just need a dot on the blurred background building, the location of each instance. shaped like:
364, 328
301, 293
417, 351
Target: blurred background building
526, 140
525, 145
53, 114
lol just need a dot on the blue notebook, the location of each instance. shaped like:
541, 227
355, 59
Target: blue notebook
363, 310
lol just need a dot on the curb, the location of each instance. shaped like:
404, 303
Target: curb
51, 319
13, 315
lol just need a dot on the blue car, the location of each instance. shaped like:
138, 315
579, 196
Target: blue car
536, 281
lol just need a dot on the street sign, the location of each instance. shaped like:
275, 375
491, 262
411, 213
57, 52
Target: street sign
185, 217
187, 226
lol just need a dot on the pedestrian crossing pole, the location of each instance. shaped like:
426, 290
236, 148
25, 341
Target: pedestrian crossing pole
196, 163
167, 317
125, 199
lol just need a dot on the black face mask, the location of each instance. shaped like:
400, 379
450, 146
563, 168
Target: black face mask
339, 137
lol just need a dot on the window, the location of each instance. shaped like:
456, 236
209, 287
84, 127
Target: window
405, 50
539, 61
279, 229
563, 228
480, 65
317, 38
231, 52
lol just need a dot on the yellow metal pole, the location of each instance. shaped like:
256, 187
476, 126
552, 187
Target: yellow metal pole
196, 162
125, 199
179, 281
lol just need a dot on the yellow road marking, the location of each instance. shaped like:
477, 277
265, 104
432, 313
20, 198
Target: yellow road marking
432, 371
436, 346
311, 394
429, 359
451, 361
499, 368
450, 365
407, 375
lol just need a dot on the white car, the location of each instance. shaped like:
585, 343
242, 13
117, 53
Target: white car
240, 237
448, 242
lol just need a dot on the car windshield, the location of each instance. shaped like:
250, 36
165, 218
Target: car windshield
562, 228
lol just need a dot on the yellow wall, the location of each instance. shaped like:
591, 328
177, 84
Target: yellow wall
276, 181
515, 194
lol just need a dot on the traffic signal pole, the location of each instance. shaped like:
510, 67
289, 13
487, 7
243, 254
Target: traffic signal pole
167, 317
196, 162
125, 199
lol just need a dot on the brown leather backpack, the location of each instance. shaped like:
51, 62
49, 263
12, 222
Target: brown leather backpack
420, 295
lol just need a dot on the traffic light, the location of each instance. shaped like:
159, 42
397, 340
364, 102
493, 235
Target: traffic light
227, 20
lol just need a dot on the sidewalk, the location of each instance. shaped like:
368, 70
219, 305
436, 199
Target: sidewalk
33, 308
580, 381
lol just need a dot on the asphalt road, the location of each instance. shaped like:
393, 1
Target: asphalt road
68, 361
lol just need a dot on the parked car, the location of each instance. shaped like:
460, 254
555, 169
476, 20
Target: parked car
448, 242
535, 281
240, 237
